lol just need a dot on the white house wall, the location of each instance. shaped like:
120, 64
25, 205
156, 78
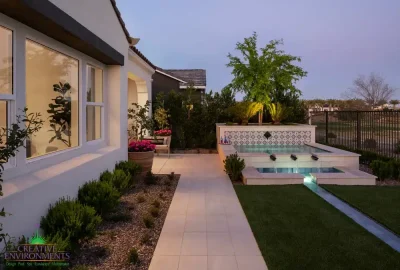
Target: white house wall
99, 17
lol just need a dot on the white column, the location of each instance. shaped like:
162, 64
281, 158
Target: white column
117, 107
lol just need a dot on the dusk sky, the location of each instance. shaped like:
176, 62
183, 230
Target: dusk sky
337, 39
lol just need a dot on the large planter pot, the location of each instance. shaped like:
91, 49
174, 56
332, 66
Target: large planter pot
144, 159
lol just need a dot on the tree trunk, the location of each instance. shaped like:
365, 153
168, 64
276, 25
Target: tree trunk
260, 116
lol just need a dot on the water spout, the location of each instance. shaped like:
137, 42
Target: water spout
293, 157
272, 157
314, 157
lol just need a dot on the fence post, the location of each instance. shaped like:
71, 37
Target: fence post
358, 131
326, 127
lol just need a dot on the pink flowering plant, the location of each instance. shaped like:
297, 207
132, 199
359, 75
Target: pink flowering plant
141, 146
163, 132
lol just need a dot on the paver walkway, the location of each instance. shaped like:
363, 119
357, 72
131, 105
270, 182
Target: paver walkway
205, 228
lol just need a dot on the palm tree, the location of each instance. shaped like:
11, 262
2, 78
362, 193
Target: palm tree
394, 102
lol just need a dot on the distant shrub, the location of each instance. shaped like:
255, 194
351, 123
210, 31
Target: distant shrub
370, 143
154, 211
129, 167
120, 180
105, 176
133, 256
150, 179
234, 166
102, 196
70, 219
332, 135
156, 203
145, 238
397, 148
148, 221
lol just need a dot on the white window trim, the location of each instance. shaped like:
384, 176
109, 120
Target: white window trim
96, 104
17, 100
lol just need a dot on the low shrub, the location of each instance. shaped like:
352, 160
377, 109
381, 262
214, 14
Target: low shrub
133, 256
140, 199
171, 176
80, 267
154, 211
120, 180
145, 238
234, 166
105, 176
381, 169
102, 196
150, 178
370, 143
70, 219
118, 217
397, 148
129, 167
148, 221
332, 135
156, 203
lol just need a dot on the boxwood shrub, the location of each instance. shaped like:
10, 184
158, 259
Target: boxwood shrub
129, 167
70, 219
119, 179
102, 196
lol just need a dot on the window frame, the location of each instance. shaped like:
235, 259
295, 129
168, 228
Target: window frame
90, 64
10, 99
66, 52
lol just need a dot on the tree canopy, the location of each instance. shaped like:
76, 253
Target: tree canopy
267, 74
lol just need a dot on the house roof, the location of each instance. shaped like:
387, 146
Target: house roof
166, 73
128, 37
196, 76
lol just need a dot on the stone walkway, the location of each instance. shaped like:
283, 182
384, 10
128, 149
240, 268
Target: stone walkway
205, 228
370, 225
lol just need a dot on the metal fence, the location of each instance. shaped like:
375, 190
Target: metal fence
377, 131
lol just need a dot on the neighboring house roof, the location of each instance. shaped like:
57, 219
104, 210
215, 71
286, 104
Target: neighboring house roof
196, 76
128, 37
170, 75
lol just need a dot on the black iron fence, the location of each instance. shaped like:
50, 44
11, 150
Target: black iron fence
376, 131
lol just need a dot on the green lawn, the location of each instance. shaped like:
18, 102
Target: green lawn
380, 203
296, 229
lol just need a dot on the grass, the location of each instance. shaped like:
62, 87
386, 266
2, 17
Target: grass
380, 203
296, 229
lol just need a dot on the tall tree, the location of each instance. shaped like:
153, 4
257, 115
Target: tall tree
266, 74
394, 103
372, 89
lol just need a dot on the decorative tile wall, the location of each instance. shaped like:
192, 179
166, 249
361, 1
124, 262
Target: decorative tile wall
278, 137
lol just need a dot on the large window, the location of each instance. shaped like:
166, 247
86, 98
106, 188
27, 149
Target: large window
6, 78
52, 80
94, 103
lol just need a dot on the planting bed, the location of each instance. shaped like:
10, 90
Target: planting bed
125, 228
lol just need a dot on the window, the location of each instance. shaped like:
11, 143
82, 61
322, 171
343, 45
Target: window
52, 80
94, 103
6, 78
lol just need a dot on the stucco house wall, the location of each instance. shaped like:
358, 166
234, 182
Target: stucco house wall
30, 185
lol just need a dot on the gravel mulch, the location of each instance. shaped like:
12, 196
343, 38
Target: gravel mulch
125, 228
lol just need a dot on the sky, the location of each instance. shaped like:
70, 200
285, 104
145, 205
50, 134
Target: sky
336, 39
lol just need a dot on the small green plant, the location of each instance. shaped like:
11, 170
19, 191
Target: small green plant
244, 110
145, 239
278, 112
156, 203
120, 180
150, 179
148, 221
129, 167
140, 199
161, 195
397, 148
119, 217
133, 256
105, 176
171, 176
102, 196
234, 166
154, 211
70, 219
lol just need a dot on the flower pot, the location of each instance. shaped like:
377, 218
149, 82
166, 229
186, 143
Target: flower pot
144, 159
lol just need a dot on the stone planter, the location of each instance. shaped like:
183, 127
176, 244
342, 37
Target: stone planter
144, 159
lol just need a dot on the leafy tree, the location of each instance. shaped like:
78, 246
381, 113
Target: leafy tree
11, 139
394, 103
266, 74
141, 120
